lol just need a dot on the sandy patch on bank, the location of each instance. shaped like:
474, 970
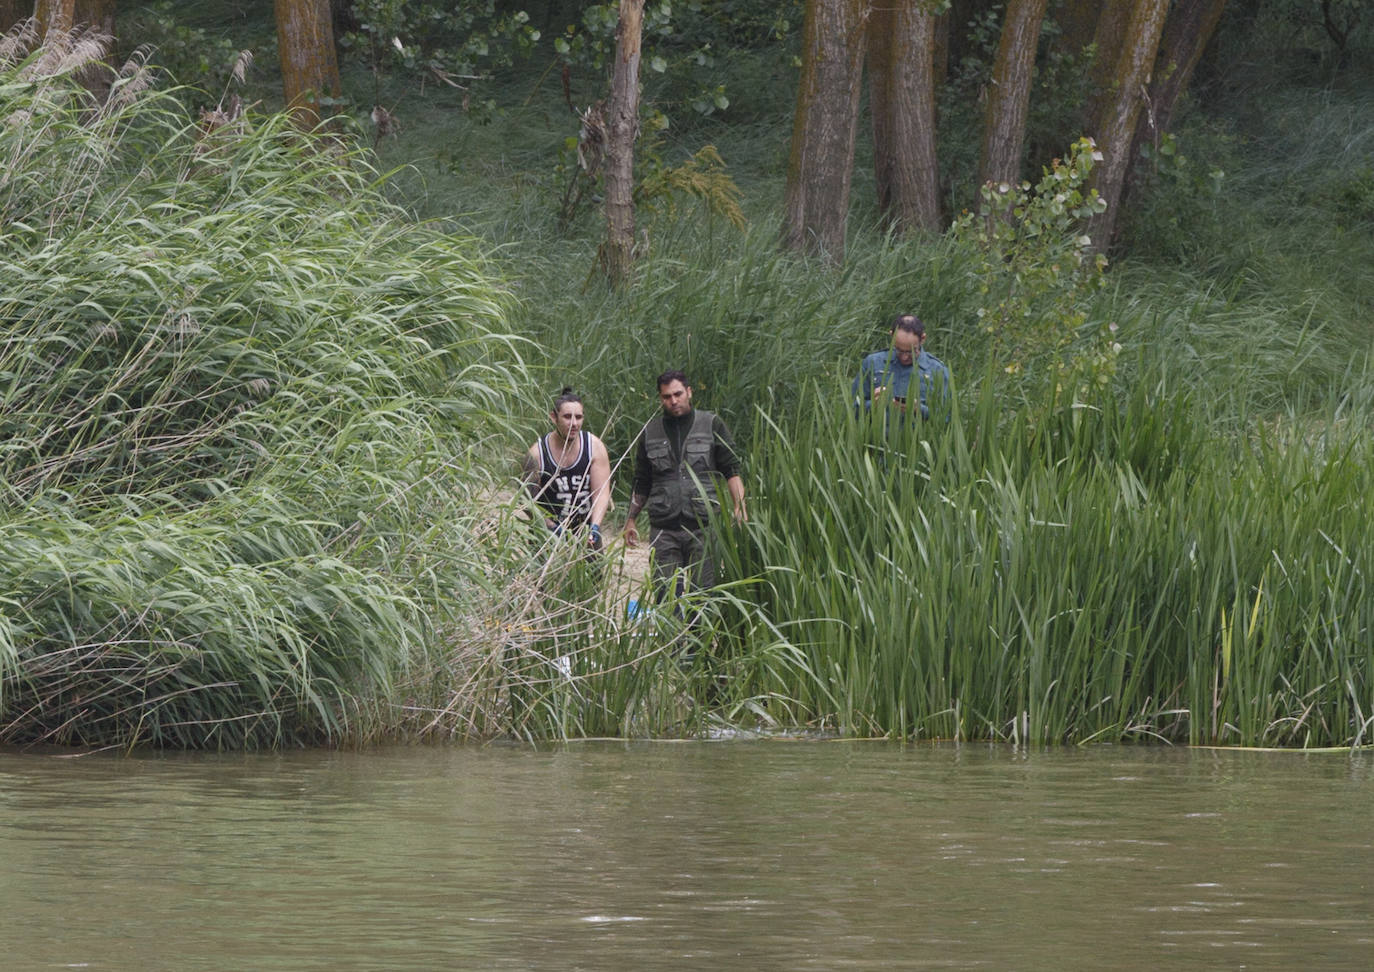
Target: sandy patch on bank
629, 566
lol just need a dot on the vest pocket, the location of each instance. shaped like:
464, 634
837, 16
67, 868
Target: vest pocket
698, 453
659, 454
660, 505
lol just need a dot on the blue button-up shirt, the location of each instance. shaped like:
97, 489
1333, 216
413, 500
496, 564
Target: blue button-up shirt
881, 369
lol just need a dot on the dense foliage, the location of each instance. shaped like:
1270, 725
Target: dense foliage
235, 384
253, 414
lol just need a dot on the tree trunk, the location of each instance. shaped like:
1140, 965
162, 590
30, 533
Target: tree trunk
54, 15
622, 127
78, 18
1004, 122
901, 74
1114, 129
99, 14
309, 65
941, 55
60, 14
13, 11
1108, 39
1186, 34
824, 126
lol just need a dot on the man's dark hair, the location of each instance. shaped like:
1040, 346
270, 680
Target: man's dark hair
565, 396
909, 323
668, 377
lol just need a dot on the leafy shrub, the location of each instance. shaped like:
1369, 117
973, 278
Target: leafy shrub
455, 44
194, 56
1036, 268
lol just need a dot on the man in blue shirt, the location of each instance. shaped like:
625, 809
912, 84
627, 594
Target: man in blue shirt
886, 376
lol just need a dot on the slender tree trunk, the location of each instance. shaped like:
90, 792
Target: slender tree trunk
309, 65
941, 55
1004, 122
77, 17
13, 11
1186, 34
60, 14
54, 15
901, 73
1114, 128
824, 127
622, 127
99, 14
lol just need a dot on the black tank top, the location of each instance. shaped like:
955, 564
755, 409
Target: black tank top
565, 492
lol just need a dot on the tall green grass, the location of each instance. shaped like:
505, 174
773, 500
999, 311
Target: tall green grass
1100, 573
244, 404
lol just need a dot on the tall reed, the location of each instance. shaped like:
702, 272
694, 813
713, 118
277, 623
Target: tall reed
1099, 573
242, 399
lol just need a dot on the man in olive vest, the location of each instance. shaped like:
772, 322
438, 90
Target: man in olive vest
681, 453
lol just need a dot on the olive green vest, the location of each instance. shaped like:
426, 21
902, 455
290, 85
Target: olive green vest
682, 490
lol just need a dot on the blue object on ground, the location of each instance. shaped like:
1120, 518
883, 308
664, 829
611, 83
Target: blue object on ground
638, 612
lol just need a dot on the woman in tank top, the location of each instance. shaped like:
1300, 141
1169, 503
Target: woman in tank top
568, 472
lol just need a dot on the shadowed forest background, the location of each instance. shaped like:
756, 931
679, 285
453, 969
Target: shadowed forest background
264, 391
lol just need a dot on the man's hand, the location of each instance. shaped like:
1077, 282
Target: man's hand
736, 487
631, 534
881, 390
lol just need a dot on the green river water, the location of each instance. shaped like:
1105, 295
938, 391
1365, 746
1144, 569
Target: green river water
730, 854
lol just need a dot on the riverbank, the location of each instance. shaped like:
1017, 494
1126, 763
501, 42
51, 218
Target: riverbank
253, 423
